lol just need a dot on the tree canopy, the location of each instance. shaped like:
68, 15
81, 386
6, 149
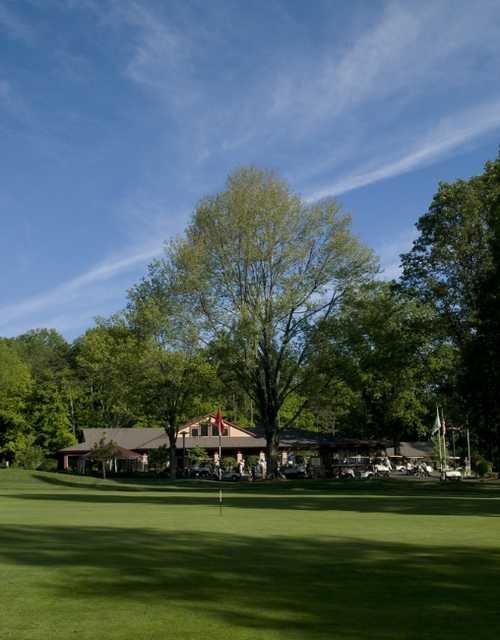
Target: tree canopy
270, 307
262, 270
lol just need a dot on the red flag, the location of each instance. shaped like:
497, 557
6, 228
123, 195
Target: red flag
219, 421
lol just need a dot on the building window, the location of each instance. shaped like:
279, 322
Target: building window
204, 429
194, 432
215, 431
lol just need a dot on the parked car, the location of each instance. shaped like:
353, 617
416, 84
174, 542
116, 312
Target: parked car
204, 473
235, 476
453, 474
295, 472
366, 473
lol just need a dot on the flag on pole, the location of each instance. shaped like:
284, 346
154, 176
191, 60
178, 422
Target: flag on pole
437, 423
219, 421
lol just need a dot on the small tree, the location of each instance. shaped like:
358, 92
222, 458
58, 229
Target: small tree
25, 451
103, 452
158, 458
229, 463
197, 456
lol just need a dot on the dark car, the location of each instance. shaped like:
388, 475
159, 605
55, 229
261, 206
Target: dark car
293, 473
203, 473
235, 476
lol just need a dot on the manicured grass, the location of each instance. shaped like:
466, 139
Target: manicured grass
85, 558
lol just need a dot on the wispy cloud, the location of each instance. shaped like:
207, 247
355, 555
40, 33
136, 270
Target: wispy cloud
159, 49
389, 253
450, 134
14, 26
69, 291
406, 49
11, 101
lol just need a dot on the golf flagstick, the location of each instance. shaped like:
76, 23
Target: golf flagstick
220, 502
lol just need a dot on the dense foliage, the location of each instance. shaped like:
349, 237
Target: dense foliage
271, 308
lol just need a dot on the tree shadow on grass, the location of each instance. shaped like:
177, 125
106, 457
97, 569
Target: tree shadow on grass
410, 505
400, 486
305, 588
391, 497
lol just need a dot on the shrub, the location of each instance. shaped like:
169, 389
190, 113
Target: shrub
48, 464
30, 457
197, 456
482, 467
252, 461
229, 463
158, 458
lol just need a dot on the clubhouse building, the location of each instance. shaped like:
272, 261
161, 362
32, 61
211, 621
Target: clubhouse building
133, 445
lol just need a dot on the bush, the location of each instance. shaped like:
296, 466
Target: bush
482, 467
252, 461
48, 464
197, 456
158, 458
30, 457
229, 463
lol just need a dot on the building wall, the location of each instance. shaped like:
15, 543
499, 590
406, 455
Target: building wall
204, 428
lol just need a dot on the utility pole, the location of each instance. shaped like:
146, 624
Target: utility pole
445, 463
468, 463
184, 453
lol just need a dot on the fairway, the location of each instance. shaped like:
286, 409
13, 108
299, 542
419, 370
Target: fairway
90, 559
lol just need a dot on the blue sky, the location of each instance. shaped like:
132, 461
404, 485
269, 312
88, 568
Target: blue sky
116, 117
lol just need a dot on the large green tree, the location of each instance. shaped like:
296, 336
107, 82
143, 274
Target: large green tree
15, 389
107, 360
453, 266
481, 379
177, 379
262, 270
452, 254
51, 407
386, 355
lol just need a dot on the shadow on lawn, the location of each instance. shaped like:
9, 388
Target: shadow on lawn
389, 497
394, 486
314, 588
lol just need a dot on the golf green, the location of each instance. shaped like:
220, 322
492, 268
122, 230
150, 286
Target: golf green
91, 559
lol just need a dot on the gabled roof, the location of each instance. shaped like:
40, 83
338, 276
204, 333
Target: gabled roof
421, 449
120, 453
81, 447
130, 438
143, 439
295, 437
211, 416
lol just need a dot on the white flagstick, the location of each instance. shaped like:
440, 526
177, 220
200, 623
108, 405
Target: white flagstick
445, 452
220, 502
437, 431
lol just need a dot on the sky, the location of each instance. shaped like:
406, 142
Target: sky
117, 117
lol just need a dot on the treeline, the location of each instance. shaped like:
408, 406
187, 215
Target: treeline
271, 308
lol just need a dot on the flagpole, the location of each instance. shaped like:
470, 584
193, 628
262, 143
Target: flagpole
443, 425
220, 454
468, 465
220, 425
440, 454
437, 430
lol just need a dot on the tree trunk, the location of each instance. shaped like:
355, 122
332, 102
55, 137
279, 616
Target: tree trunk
172, 439
272, 454
272, 435
104, 469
